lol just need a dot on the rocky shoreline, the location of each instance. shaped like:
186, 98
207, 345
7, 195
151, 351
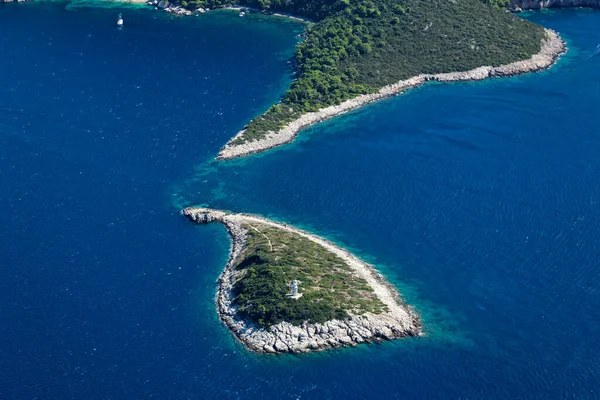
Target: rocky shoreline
520, 5
552, 48
400, 320
179, 10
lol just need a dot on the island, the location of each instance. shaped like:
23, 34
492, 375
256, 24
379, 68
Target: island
285, 290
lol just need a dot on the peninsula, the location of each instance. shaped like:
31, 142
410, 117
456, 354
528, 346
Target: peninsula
360, 51
285, 290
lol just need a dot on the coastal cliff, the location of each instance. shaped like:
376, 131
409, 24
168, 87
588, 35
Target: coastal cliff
365, 306
541, 4
551, 49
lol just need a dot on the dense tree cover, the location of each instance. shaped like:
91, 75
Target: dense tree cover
358, 46
273, 258
501, 4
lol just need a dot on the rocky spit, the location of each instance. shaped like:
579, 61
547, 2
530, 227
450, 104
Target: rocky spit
552, 48
400, 320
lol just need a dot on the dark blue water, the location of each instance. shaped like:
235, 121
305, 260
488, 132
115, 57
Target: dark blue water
479, 200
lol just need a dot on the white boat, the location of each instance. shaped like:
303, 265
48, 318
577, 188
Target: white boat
120, 20
242, 14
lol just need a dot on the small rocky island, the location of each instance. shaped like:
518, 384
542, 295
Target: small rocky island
285, 290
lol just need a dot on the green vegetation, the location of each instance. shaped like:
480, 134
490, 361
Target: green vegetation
273, 258
358, 46
500, 4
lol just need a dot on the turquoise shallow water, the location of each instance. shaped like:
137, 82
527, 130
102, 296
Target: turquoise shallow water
479, 200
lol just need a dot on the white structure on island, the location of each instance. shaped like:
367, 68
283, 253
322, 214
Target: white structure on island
294, 286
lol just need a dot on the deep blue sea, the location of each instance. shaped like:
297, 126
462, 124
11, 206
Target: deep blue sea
480, 201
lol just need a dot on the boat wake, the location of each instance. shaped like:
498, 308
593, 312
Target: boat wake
596, 51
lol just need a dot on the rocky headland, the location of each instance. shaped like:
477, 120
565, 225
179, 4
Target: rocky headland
392, 318
552, 48
519, 5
